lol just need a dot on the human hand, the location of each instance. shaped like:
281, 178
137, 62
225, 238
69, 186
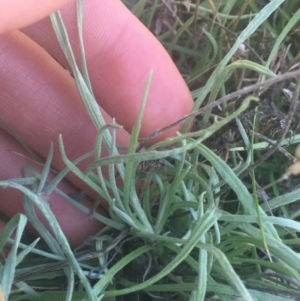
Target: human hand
39, 100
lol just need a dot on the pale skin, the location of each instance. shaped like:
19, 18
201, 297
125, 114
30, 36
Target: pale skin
39, 100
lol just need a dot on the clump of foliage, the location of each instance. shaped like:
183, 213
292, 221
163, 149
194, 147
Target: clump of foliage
203, 224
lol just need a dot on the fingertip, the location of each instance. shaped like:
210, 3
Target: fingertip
120, 53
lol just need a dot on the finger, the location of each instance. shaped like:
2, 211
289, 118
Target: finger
74, 223
39, 101
120, 53
16, 14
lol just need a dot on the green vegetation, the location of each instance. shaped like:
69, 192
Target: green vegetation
202, 227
